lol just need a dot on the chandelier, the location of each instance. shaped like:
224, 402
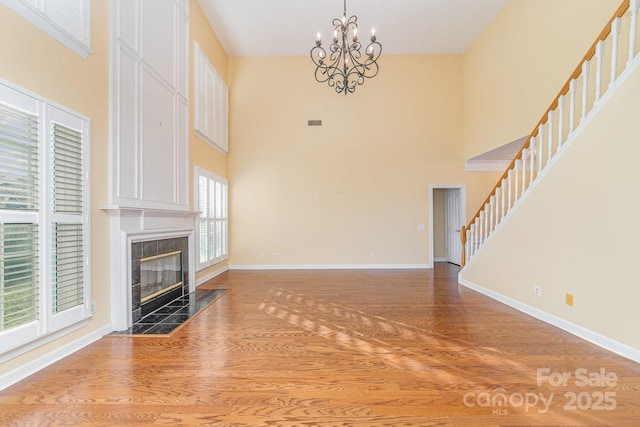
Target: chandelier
345, 67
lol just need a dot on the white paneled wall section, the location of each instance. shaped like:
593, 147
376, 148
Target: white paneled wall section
150, 104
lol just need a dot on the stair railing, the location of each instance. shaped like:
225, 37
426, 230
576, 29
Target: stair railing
606, 60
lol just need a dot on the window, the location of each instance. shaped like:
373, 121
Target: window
211, 118
44, 277
213, 223
67, 21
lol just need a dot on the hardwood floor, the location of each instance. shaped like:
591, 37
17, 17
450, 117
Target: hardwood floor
337, 348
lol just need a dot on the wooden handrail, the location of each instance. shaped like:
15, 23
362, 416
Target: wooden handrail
576, 73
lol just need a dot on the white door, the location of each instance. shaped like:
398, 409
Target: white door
452, 225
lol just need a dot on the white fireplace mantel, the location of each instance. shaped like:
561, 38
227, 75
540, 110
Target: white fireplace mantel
135, 224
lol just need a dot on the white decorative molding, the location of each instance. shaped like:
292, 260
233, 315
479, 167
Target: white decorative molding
12, 377
332, 267
149, 143
577, 330
133, 224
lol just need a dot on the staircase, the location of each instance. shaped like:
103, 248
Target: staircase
607, 63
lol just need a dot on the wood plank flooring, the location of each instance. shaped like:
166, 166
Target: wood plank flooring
337, 348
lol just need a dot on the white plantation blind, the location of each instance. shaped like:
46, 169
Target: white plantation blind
67, 238
68, 14
44, 217
67, 170
211, 118
221, 220
67, 21
18, 159
212, 193
19, 275
67, 267
203, 225
19, 241
221, 114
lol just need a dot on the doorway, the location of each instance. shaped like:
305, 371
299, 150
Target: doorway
448, 215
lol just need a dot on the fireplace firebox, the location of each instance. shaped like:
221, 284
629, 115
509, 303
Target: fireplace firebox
159, 274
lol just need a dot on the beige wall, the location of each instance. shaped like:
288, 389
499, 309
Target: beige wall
578, 230
35, 61
201, 153
517, 66
359, 183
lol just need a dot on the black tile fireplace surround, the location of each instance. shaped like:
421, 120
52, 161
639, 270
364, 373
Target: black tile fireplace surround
140, 250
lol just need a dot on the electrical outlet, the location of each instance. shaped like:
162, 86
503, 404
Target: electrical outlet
278, 255
537, 290
568, 299
373, 254
93, 307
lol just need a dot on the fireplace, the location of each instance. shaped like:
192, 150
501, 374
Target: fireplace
137, 233
159, 274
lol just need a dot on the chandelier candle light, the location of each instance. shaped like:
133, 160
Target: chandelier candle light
345, 67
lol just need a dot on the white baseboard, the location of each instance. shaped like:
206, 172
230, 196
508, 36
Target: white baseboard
9, 378
439, 260
211, 275
579, 331
332, 267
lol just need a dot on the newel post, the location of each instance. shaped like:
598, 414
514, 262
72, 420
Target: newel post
463, 241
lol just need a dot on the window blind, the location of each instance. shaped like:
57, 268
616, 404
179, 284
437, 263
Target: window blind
67, 170
19, 274
212, 222
68, 14
203, 206
67, 238
18, 159
211, 116
67, 21
67, 268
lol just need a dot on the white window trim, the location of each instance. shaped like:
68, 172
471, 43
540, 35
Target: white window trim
198, 172
210, 123
19, 340
38, 17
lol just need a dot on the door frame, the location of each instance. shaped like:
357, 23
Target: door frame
463, 210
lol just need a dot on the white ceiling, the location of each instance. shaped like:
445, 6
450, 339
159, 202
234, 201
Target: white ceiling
289, 27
